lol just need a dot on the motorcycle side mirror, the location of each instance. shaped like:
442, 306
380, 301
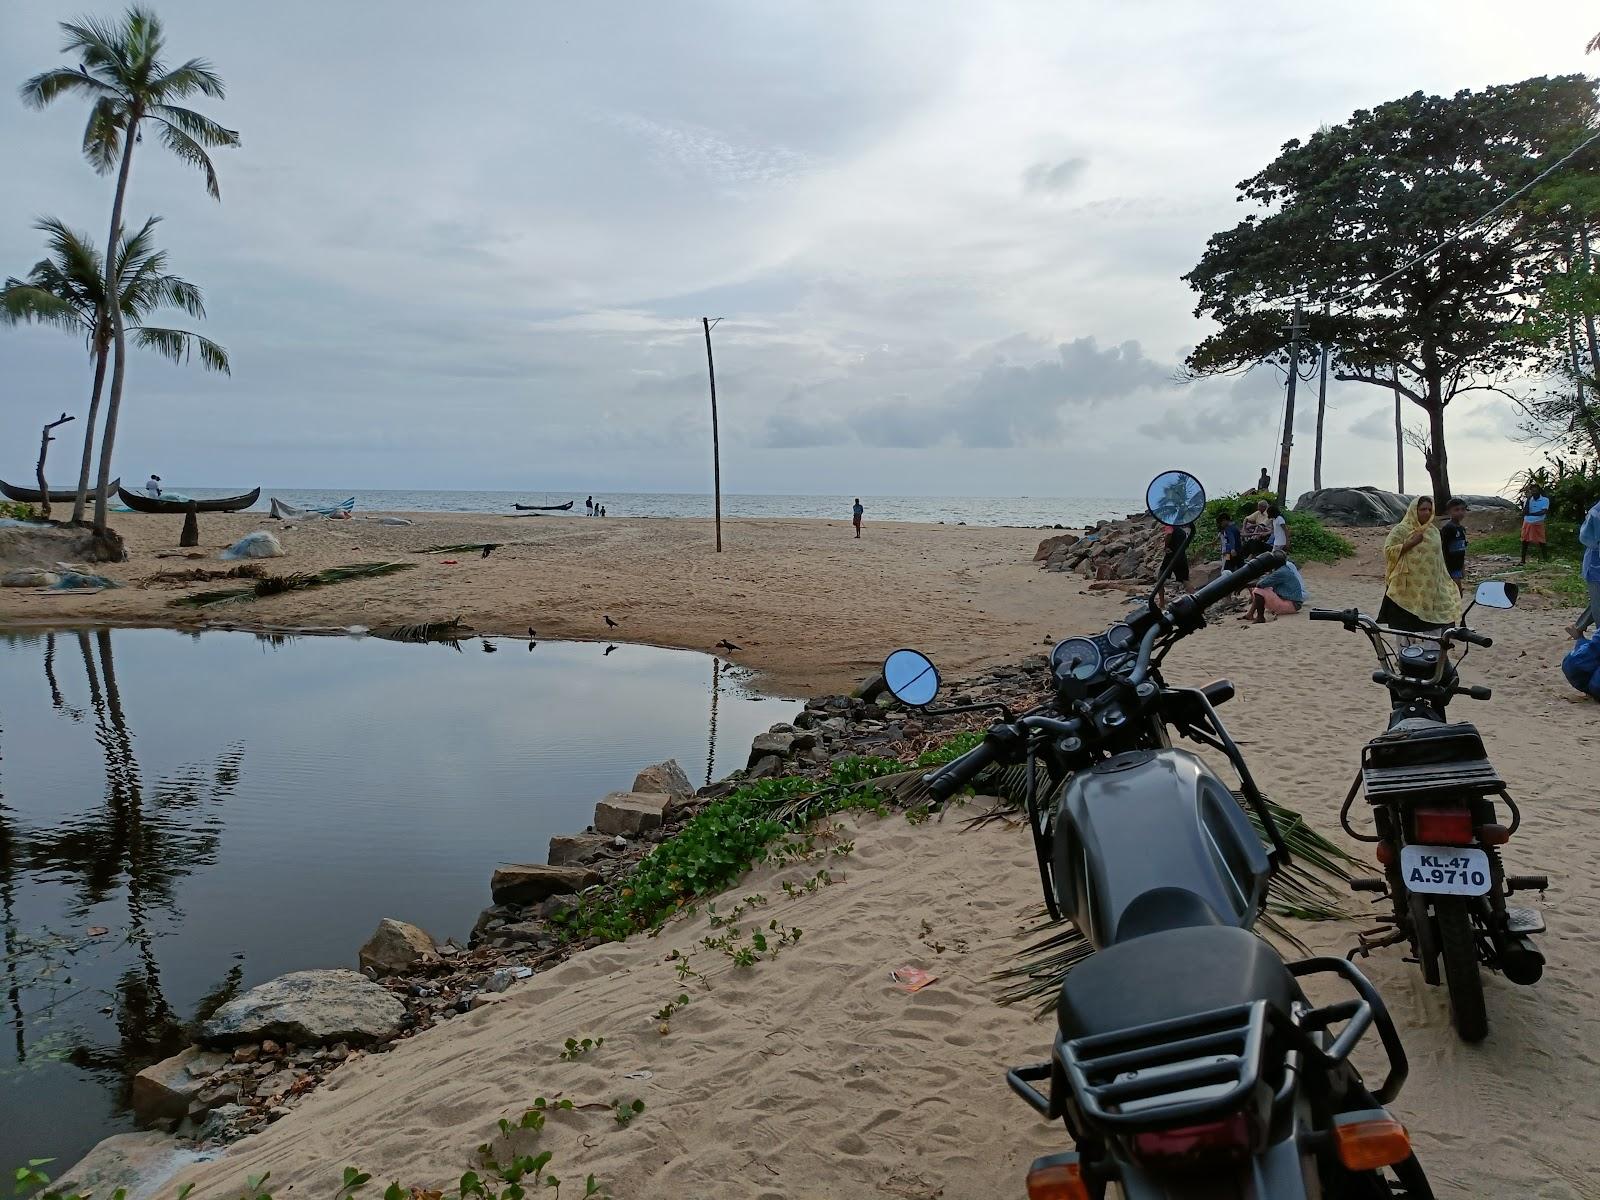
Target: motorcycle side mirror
1496, 593
911, 678
1175, 498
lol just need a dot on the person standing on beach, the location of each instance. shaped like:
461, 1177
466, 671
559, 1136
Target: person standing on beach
1453, 540
855, 515
152, 487
1264, 484
1418, 593
1535, 508
1280, 528
1228, 537
1589, 536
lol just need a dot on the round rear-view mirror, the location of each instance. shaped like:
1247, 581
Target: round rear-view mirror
911, 677
1175, 498
1496, 593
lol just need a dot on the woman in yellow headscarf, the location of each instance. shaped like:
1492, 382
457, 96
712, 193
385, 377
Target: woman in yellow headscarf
1418, 593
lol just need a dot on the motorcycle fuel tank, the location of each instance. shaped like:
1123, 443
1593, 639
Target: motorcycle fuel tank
1151, 840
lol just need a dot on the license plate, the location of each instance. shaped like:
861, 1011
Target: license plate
1445, 870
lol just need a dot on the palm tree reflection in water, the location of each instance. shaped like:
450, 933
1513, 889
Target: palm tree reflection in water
145, 845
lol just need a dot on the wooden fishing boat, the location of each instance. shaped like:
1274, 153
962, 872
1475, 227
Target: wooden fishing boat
57, 495
149, 504
544, 507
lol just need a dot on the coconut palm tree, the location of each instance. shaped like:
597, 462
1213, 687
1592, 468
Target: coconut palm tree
120, 70
67, 290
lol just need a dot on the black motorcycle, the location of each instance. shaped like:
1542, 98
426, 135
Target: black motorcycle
1188, 1060
1432, 790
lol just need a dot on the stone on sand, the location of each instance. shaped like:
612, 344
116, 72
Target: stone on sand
631, 813
309, 1008
167, 1088
667, 778
396, 947
530, 883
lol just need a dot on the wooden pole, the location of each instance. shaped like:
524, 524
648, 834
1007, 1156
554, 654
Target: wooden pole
1288, 406
716, 450
1399, 438
44, 448
1322, 404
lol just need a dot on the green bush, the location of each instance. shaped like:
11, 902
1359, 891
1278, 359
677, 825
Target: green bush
18, 511
1573, 495
1309, 539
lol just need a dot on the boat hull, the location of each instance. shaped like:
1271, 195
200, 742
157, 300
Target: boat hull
57, 495
147, 504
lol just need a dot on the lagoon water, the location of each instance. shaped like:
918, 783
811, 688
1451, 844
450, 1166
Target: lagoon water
229, 807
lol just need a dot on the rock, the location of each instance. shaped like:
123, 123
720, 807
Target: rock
222, 1123
166, 1088
666, 778
138, 1162
499, 980
1051, 545
806, 719
29, 577
631, 813
276, 1084
552, 907
765, 768
534, 933
396, 948
567, 849
1354, 506
309, 1007
270, 1049
769, 743
246, 1053
533, 882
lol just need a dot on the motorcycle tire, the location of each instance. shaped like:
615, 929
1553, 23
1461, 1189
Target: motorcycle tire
1458, 946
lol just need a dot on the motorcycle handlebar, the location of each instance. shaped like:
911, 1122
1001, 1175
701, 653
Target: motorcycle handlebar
1345, 615
957, 773
1466, 635
1188, 609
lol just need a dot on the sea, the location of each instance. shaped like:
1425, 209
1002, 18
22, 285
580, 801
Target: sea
1017, 511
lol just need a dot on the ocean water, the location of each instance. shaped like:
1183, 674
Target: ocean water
1023, 511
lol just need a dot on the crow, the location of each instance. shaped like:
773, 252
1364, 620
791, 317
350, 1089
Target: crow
725, 644
490, 548
609, 649
610, 624
532, 633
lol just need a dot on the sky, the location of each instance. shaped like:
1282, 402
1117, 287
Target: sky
470, 245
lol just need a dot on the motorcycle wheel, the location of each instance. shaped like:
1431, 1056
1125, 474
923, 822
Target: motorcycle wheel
1458, 946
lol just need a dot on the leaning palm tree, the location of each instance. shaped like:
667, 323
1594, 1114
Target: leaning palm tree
120, 70
67, 290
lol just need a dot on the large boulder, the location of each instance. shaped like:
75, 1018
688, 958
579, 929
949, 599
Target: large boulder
666, 778
396, 947
167, 1088
138, 1162
532, 882
1052, 545
1491, 504
631, 813
774, 742
566, 849
1354, 506
309, 1008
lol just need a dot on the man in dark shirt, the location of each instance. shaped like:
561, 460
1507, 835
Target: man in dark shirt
1228, 536
1453, 538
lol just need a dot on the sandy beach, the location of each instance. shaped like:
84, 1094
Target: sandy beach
812, 1075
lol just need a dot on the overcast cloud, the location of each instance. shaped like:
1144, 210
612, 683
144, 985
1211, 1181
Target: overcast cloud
470, 246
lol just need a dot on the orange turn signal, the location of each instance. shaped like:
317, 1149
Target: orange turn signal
1368, 1145
1049, 1179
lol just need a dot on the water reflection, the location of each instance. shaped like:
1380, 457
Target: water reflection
182, 816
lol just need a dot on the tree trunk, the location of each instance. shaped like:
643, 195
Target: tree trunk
1399, 438
114, 304
100, 357
44, 449
1322, 406
1438, 465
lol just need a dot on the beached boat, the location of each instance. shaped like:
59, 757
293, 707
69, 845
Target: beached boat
57, 495
149, 504
544, 507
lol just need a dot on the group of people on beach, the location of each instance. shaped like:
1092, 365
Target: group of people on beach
592, 509
1264, 528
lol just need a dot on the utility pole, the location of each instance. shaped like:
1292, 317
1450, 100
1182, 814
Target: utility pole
1322, 404
1288, 405
716, 450
1399, 439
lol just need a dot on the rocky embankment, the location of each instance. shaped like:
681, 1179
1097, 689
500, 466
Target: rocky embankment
1109, 553
259, 1054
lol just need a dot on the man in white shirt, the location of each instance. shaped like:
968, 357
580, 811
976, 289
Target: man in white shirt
152, 487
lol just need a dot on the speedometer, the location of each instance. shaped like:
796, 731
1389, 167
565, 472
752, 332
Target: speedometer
1075, 658
1119, 637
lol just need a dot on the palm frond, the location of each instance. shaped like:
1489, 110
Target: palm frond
274, 585
197, 125
462, 547
452, 630
43, 88
102, 136
22, 302
191, 152
179, 344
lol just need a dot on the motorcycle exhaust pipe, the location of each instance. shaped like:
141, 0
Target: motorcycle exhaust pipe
1520, 960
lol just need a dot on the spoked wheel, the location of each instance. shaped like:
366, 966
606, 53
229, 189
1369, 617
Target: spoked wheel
1458, 947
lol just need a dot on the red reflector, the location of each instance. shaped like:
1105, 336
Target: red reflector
1227, 1139
1493, 835
1443, 826
1385, 853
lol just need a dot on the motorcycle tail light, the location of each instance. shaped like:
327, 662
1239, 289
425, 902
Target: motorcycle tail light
1370, 1143
1227, 1140
1493, 835
1058, 1177
1443, 826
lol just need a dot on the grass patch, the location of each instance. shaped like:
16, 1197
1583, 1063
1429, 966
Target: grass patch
18, 511
1560, 576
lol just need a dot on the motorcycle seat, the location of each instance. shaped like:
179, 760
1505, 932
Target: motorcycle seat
1176, 973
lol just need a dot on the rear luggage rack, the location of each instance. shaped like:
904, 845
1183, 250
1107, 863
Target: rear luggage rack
1437, 759
1187, 1069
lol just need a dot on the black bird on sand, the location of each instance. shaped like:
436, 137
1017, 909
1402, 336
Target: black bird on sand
610, 624
489, 548
725, 644
532, 633
609, 649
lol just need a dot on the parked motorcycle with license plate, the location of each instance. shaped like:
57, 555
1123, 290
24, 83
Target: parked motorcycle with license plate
1432, 791
1188, 1061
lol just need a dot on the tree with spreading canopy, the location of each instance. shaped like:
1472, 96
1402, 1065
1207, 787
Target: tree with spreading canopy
121, 72
67, 290
1391, 219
